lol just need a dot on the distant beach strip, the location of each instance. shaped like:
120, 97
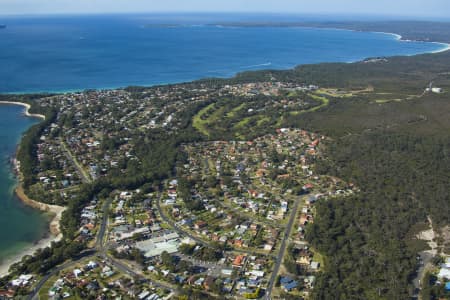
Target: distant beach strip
445, 46
173, 53
27, 109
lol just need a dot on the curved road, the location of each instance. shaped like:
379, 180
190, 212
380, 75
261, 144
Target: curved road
188, 234
35, 291
175, 227
98, 251
99, 248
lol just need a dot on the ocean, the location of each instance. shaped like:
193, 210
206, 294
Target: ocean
59, 54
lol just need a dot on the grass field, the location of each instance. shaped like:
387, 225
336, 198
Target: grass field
43, 293
199, 123
235, 120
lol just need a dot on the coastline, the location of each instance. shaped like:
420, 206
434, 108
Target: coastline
9, 261
55, 210
444, 47
54, 234
398, 37
27, 109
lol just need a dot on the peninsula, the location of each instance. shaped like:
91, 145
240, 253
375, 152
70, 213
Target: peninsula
315, 182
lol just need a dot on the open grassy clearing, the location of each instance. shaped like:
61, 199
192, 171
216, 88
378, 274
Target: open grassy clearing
199, 123
233, 112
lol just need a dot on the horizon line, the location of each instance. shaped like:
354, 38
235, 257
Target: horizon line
255, 13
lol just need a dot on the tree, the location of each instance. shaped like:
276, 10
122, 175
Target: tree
168, 261
187, 249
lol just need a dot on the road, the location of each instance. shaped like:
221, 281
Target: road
426, 257
35, 291
88, 253
98, 250
175, 227
83, 175
283, 247
101, 247
211, 268
136, 274
91, 253
99, 244
425, 265
257, 219
169, 221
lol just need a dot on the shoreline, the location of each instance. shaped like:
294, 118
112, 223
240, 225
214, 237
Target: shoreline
445, 49
446, 46
55, 212
27, 109
5, 264
54, 234
396, 36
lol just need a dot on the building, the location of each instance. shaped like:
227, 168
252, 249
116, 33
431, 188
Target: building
435, 90
157, 245
288, 284
238, 261
444, 272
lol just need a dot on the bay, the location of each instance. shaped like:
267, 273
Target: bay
56, 54
20, 226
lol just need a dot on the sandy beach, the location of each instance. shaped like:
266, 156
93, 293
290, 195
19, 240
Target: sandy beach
445, 46
54, 234
55, 211
52, 209
5, 264
27, 109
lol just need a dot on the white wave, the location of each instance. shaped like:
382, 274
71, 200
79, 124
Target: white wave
445, 47
258, 65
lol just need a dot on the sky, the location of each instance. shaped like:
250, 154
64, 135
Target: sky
403, 8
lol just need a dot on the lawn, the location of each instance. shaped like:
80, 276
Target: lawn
43, 293
318, 257
233, 112
201, 124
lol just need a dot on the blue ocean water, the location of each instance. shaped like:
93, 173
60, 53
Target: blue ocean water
20, 226
81, 52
